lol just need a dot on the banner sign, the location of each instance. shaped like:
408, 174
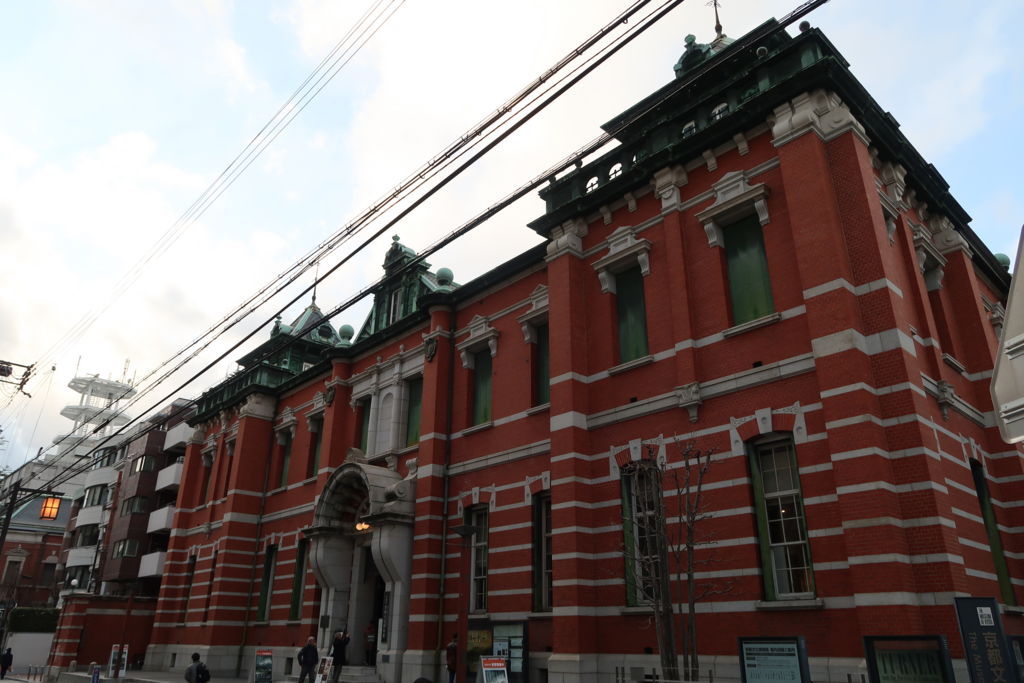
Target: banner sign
774, 660
908, 659
988, 657
263, 668
323, 671
493, 670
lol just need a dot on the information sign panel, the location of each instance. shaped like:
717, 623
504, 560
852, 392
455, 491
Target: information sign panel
985, 649
493, 670
908, 659
774, 660
263, 667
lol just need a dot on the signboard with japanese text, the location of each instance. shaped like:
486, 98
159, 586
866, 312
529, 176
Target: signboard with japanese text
263, 667
908, 659
493, 670
985, 648
774, 660
323, 670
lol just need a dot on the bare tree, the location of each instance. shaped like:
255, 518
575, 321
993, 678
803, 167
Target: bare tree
666, 536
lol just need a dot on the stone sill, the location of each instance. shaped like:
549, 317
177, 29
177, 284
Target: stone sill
1013, 610
543, 407
629, 365
794, 604
752, 325
408, 449
639, 609
540, 615
478, 428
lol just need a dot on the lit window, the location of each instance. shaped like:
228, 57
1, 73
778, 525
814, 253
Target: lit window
50, 509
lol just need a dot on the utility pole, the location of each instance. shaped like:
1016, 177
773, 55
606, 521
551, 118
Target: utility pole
7, 369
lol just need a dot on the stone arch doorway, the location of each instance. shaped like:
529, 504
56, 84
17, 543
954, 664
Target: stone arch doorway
362, 534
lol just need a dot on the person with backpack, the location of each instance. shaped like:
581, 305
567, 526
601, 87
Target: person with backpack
197, 671
309, 657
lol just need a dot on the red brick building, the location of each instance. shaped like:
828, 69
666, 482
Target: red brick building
763, 266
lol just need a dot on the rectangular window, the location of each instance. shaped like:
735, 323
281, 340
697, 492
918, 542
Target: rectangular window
542, 553
414, 394
263, 610
229, 465
285, 444
134, 505
750, 288
782, 531
316, 428
298, 581
207, 460
631, 314
95, 495
144, 463
86, 535
482, 386
50, 508
364, 423
12, 572
995, 541
477, 518
190, 574
641, 504
48, 574
129, 547
541, 368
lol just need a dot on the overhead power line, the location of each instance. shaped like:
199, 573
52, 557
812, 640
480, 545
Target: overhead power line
453, 152
605, 53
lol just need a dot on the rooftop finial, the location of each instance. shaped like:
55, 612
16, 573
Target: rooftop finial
316, 280
718, 24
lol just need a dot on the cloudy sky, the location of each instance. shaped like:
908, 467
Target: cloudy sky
117, 114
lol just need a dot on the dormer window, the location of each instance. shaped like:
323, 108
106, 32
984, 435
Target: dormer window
689, 129
395, 306
592, 184
719, 112
615, 171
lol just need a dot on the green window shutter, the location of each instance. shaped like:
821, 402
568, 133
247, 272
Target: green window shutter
263, 609
482, 387
632, 316
767, 575
995, 541
542, 368
750, 288
286, 457
298, 581
414, 387
314, 455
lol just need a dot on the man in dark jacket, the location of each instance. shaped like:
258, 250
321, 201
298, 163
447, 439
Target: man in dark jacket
309, 657
6, 660
338, 658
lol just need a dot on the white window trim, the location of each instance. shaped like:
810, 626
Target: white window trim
481, 336
734, 199
624, 252
536, 316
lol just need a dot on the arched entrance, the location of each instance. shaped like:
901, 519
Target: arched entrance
361, 553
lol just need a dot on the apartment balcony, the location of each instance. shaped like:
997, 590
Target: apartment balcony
81, 557
104, 476
161, 520
169, 477
177, 437
94, 514
152, 564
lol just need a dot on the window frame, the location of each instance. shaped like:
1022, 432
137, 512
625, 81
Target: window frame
316, 442
482, 388
747, 282
49, 509
637, 526
298, 580
413, 388
995, 542
266, 584
633, 342
769, 571
478, 518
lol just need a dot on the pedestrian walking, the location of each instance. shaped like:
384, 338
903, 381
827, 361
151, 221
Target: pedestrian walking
197, 671
309, 656
452, 657
6, 659
337, 654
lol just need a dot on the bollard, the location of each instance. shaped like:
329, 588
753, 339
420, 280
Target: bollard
711, 676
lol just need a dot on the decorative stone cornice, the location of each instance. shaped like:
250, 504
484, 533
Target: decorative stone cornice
688, 396
820, 111
624, 250
893, 178
734, 199
259, 406
929, 259
946, 238
567, 238
667, 182
536, 315
481, 335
